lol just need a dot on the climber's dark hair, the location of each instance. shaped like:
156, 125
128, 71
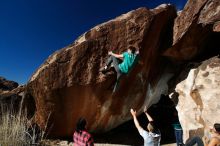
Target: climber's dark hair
133, 49
153, 127
81, 125
217, 127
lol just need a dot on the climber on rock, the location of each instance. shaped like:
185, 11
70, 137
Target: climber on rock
122, 63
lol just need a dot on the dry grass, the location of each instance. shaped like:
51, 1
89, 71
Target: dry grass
16, 129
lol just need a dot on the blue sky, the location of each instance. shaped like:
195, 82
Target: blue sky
31, 30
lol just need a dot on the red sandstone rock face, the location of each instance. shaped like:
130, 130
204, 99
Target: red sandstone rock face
193, 29
69, 85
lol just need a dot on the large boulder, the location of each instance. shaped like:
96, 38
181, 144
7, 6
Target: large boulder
6, 85
10, 95
68, 84
199, 98
195, 31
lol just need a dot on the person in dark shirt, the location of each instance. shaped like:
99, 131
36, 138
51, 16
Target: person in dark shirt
177, 128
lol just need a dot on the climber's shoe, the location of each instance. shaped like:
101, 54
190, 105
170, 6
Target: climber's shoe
104, 69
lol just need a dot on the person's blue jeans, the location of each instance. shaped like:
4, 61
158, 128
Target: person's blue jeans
195, 140
179, 136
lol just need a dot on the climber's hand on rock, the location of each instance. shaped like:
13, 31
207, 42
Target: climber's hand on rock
145, 109
133, 112
110, 53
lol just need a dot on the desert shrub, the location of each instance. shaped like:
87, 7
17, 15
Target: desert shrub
17, 130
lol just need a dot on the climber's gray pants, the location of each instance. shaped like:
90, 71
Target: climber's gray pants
115, 61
